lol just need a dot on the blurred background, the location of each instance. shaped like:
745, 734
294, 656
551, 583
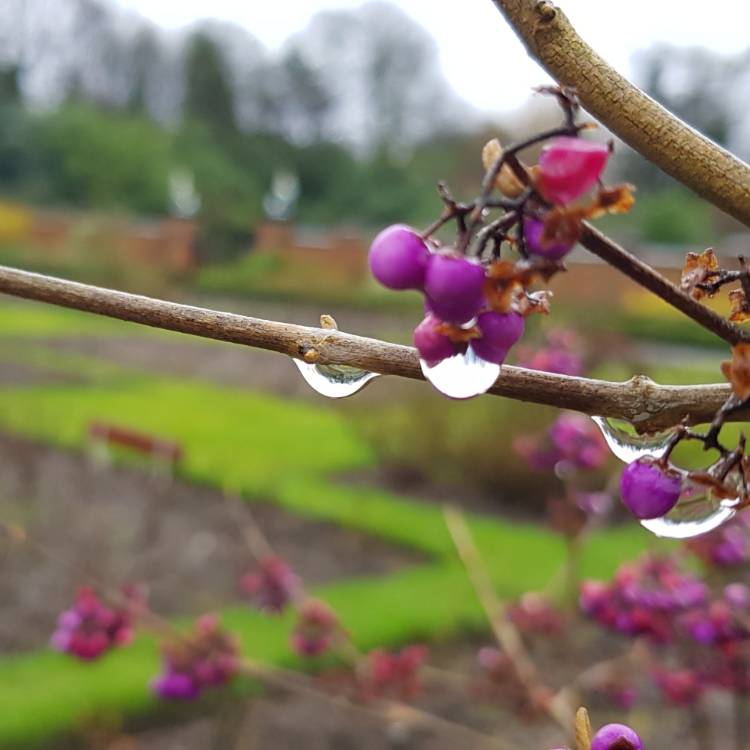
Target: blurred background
242, 158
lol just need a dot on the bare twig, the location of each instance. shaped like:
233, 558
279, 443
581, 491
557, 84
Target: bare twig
648, 405
642, 123
559, 708
603, 247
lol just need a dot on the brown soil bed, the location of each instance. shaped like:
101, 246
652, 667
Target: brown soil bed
119, 524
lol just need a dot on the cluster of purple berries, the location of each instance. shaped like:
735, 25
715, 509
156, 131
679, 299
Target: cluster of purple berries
394, 673
89, 628
206, 658
454, 289
316, 629
725, 547
458, 289
644, 598
273, 586
572, 442
709, 637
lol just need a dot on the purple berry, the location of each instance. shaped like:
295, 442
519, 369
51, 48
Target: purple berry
432, 345
532, 231
175, 686
648, 490
398, 258
500, 331
453, 286
616, 737
568, 167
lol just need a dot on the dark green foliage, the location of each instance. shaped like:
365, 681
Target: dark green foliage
208, 92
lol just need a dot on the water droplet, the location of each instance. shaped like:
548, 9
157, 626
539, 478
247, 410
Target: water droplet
627, 445
334, 381
698, 511
462, 375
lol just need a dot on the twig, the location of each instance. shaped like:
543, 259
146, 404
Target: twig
506, 634
603, 247
642, 123
639, 400
390, 711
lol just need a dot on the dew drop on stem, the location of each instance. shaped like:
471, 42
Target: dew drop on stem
334, 381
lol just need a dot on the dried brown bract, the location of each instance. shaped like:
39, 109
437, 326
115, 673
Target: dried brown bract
737, 370
700, 268
740, 308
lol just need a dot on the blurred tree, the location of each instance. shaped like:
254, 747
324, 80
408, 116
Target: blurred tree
308, 103
82, 156
208, 91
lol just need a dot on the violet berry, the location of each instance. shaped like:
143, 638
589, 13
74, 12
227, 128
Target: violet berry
568, 167
616, 737
175, 686
432, 345
648, 490
398, 258
453, 286
500, 331
533, 229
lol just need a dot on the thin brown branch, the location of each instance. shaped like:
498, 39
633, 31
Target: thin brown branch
610, 252
642, 123
648, 405
508, 638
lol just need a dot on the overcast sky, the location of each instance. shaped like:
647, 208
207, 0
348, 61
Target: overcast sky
474, 40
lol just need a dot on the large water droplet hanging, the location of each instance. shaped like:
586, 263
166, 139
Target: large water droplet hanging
698, 511
334, 381
462, 375
627, 444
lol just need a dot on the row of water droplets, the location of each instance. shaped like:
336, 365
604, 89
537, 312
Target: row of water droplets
461, 376
465, 375
698, 510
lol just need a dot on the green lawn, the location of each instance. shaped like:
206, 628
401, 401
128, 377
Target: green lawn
280, 450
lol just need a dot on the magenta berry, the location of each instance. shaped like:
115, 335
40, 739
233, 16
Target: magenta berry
398, 258
175, 686
453, 286
432, 345
648, 490
499, 332
568, 167
533, 229
616, 737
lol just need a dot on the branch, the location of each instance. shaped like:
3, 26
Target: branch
610, 252
648, 405
646, 126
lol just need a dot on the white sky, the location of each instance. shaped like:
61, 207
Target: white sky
481, 57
